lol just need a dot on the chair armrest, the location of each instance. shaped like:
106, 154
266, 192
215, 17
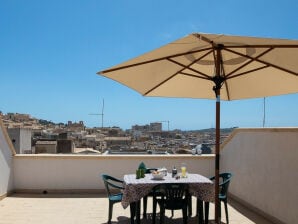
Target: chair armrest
224, 182
116, 179
112, 181
116, 186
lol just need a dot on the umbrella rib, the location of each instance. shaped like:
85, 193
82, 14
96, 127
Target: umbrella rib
195, 76
183, 68
222, 72
263, 46
195, 61
247, 63
159, 84
151, 61
225, 81
263, 62
253, 70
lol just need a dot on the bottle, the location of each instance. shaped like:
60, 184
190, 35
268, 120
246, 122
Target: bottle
174, 172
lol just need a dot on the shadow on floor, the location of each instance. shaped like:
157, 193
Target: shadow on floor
58, 195
248, 213
168, 220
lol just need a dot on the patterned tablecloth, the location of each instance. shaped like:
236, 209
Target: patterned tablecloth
135, 189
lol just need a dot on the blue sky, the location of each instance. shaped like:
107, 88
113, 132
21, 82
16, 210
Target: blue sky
50, 52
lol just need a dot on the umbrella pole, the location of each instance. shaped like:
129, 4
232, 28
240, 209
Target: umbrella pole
217, 147
218, 81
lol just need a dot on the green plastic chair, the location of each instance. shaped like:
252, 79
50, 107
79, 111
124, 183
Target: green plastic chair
113, 185
224, 182
145, 199
172, 197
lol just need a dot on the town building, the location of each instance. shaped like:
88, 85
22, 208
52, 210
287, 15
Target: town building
21, 139
117, 142
75, 126
46, 147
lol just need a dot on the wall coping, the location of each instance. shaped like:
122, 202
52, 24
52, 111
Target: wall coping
99, 157
239, 130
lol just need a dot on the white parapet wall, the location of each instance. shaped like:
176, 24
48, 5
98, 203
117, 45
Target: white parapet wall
6, 169
82, 172
264, 163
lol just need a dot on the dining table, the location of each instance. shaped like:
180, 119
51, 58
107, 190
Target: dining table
136, 188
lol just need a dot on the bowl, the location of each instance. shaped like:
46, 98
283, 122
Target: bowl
157, 175
163, 171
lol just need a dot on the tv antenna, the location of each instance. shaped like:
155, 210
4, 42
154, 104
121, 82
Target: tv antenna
264, 111
102, 114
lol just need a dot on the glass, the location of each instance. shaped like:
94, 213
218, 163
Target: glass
183, 170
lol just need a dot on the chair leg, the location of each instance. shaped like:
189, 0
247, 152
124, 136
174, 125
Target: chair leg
145, 207
110, 211
219, 218
154, 211
206, 212
226, 208
132, 212
138, 211
162, 214
200, 211
189, 206
184, 211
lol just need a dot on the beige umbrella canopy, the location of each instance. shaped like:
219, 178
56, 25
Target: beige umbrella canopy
213, 66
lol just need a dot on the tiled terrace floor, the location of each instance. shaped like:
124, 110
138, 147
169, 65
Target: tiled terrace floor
93, 209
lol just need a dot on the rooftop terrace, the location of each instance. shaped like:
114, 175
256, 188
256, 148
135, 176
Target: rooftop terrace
263, 163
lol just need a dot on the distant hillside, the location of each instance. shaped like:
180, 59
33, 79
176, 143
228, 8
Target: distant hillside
45, 122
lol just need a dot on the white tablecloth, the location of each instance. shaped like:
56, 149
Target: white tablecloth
135, 189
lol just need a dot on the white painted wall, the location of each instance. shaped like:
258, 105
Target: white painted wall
265, 167
6, 178
77, 172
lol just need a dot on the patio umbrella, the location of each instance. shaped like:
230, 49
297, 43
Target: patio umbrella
213, 66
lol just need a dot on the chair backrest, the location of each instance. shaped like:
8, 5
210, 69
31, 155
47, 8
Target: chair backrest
172, 192
224, 182
111, 183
